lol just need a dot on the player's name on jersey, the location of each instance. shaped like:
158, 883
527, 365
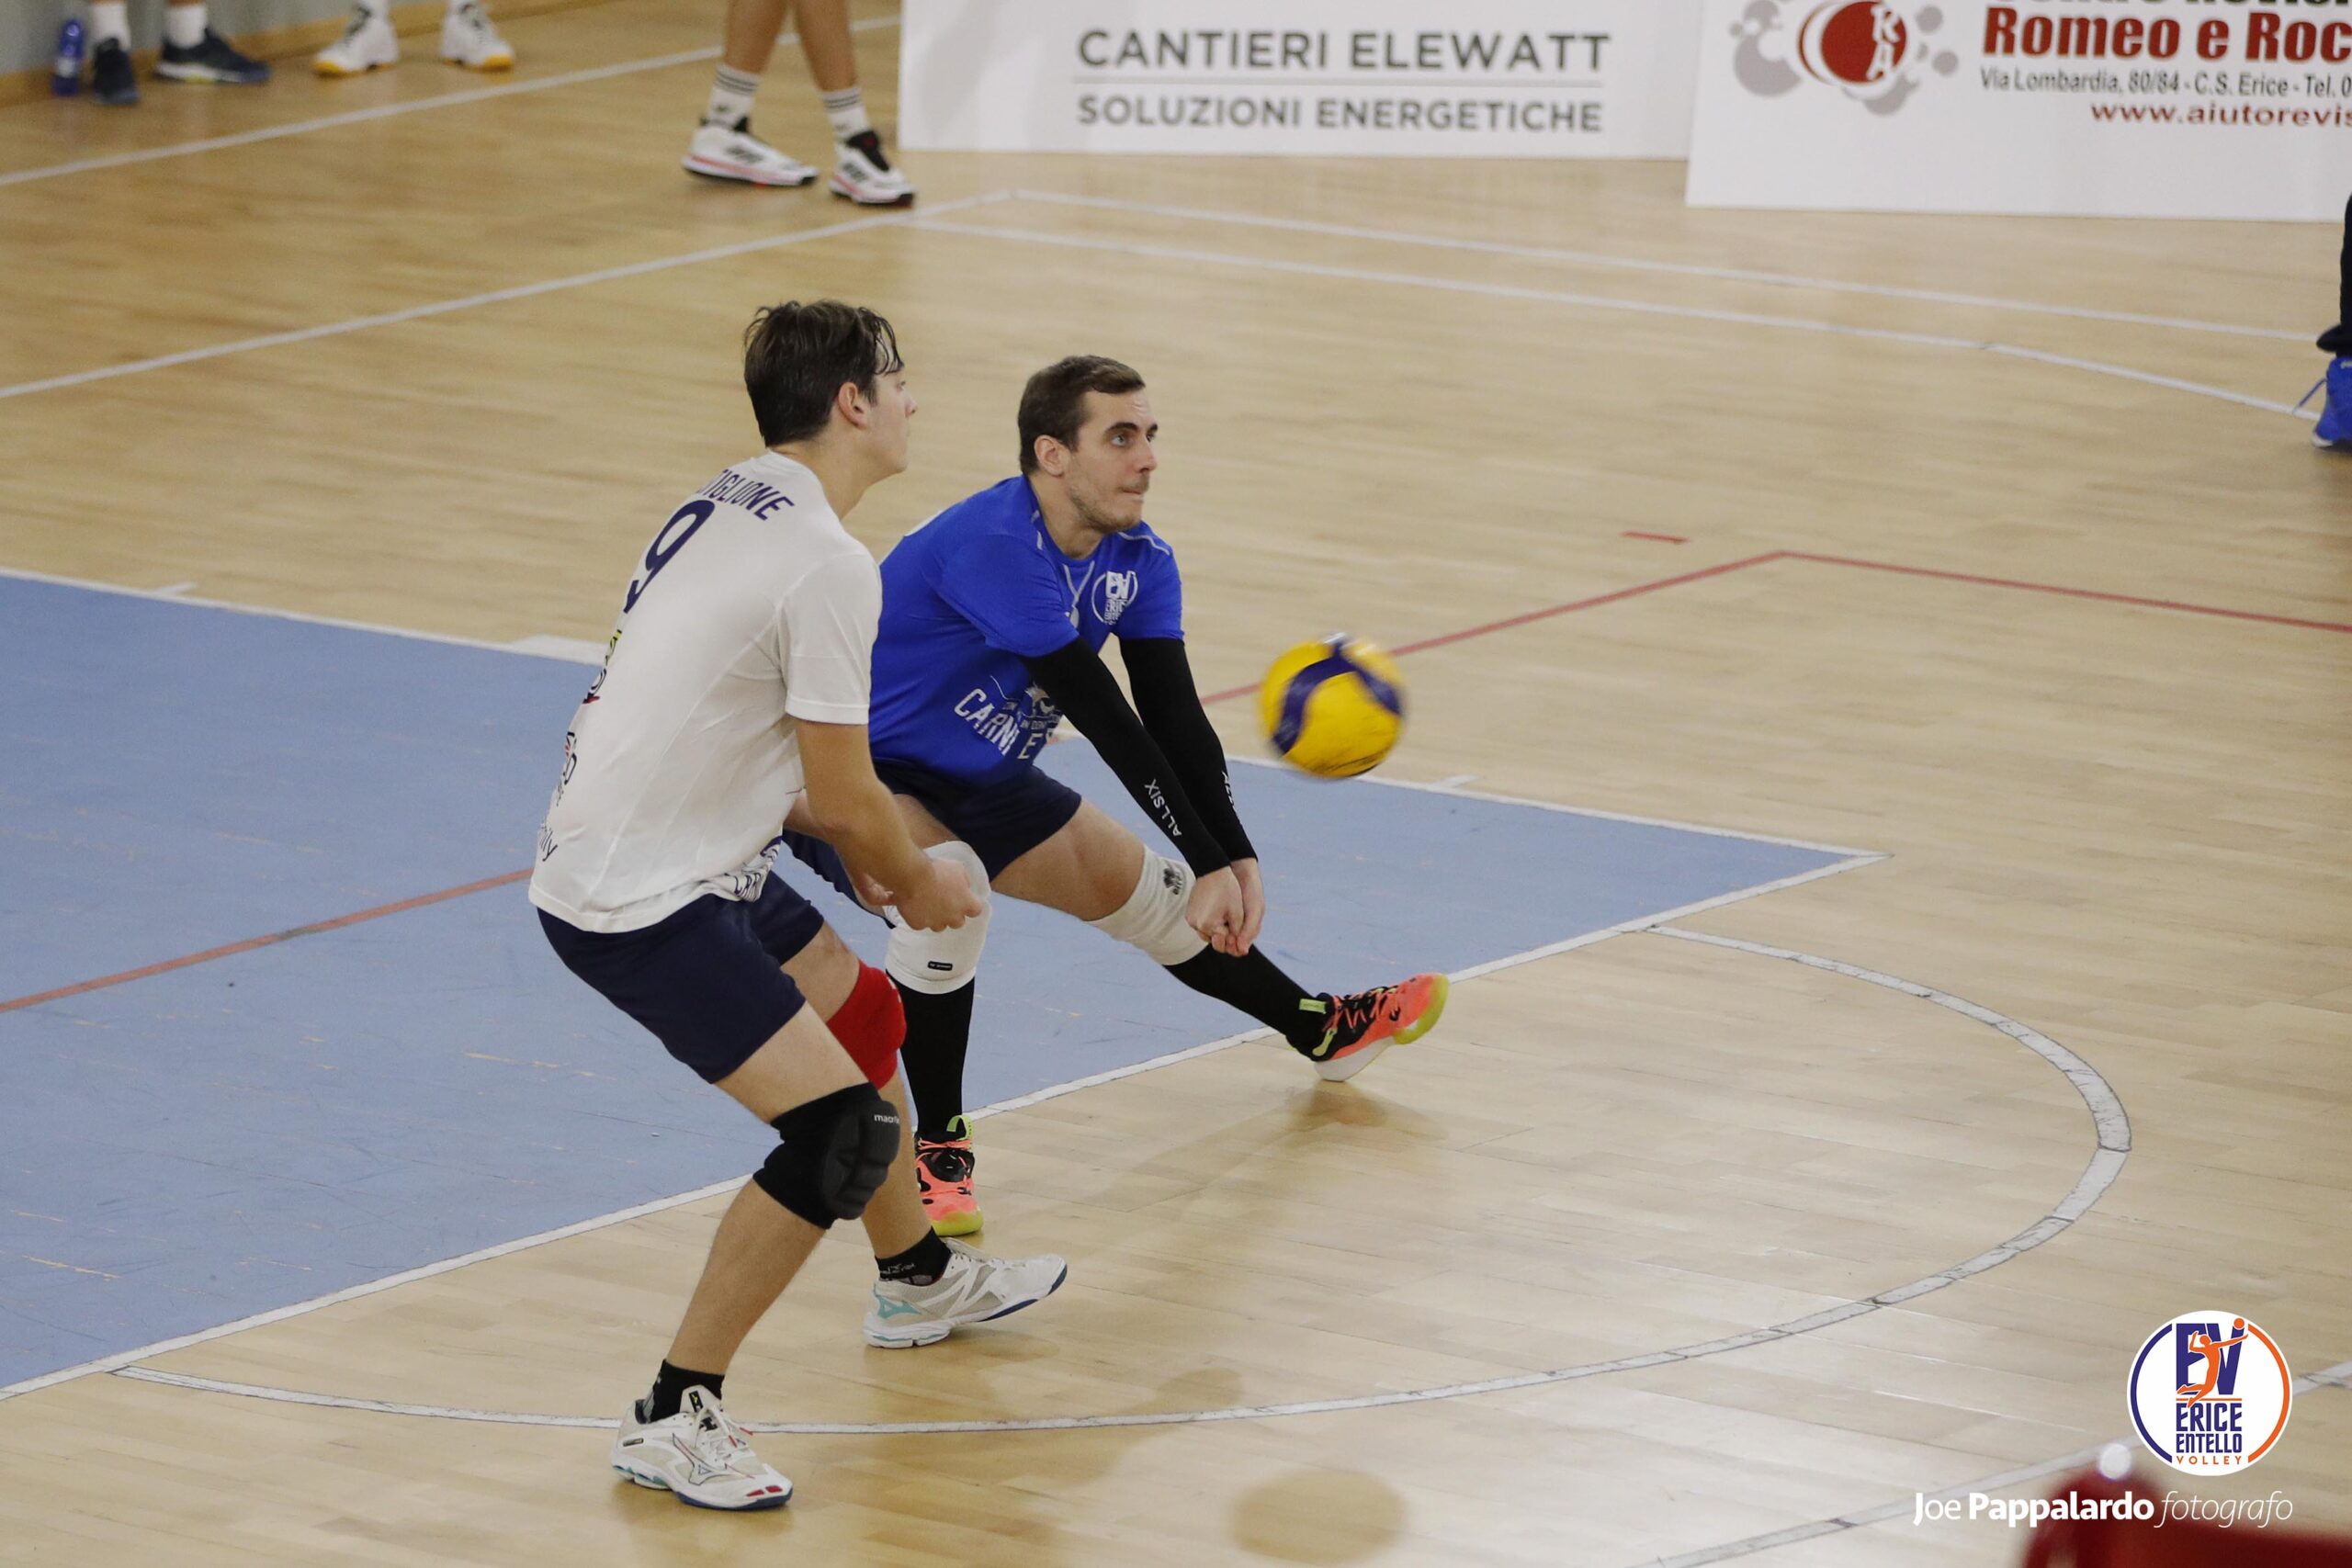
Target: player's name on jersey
754, 496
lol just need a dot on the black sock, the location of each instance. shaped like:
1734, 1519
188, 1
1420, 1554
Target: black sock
1253, 984
670, 1387
920, 1264
939, 1028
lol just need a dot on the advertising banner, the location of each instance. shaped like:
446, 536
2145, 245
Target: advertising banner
2159, 109
1353, 78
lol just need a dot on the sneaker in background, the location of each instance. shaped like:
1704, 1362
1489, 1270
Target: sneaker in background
468, 40
863, 175
112, 81
733, 153
368, 41
210, 59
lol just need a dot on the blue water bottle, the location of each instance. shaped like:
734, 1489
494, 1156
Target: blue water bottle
65, 75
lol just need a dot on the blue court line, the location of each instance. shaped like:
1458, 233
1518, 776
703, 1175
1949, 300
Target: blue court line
195, 1147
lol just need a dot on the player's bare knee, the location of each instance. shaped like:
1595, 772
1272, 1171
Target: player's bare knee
936, 962
835, 1152
1152, 919
825, 970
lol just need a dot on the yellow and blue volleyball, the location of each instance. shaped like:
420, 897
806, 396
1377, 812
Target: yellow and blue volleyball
1333, 707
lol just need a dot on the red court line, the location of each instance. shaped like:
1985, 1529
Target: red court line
1668, 538
250, 943
1593, 603
2068, 592
1440, 641
1547, 613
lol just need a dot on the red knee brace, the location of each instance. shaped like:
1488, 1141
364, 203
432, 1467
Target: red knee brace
872, 1025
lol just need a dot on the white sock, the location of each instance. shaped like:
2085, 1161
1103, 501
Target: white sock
730, 97
184, 26
846, 109
111, 22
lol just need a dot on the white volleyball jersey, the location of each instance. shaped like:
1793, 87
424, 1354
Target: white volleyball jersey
751, 608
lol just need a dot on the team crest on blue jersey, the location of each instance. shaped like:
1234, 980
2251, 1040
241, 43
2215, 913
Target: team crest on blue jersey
2210, 1393
1113, 591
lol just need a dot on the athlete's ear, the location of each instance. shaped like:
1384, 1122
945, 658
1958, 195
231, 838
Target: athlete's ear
1052, 456
850, 402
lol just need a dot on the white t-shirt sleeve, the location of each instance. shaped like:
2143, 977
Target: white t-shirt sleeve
827, 624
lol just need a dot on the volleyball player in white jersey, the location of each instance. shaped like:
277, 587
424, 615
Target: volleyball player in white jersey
735, 684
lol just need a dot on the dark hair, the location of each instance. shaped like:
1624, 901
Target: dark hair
796, 356
1054, 402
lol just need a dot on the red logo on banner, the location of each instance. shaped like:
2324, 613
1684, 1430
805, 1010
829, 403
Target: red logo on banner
1856, 42
1871, 50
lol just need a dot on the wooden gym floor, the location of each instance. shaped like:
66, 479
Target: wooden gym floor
1987, 545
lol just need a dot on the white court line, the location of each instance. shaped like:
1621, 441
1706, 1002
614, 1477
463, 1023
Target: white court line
571, 650
2107, 1161
1639, 264
928, 221
2338, 1376
494, 297
1454, 786
387, 111
279, 1314
2098, 1098
124, 1359
579, 651
1588, 302
173, 596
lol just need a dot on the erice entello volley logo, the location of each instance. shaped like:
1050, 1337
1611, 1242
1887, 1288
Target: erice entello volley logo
2210, 1392
1875, 52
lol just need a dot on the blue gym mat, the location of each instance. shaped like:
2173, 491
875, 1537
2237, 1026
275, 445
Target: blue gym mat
270, 1126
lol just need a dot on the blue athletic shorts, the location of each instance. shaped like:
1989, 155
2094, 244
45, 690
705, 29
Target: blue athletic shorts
705, 979
1001, 821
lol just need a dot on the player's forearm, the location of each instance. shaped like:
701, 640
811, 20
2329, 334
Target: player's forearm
1169, 706
1079, 684
859, 818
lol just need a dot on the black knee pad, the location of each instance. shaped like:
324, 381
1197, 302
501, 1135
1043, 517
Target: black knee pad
835, 1153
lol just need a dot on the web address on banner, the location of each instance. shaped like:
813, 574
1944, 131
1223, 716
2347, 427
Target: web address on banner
2221, 114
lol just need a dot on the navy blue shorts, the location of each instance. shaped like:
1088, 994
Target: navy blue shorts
1002, 821
705, 979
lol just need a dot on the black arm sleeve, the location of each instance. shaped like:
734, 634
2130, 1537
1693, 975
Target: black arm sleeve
1161, 678
1077, 681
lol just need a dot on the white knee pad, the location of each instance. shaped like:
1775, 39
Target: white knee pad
1153, 917
936, 962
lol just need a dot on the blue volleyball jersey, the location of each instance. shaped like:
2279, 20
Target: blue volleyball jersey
968, 595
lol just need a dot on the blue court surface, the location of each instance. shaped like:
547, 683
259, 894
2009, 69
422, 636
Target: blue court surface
267, 1127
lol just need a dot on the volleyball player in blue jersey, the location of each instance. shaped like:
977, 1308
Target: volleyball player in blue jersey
994, 615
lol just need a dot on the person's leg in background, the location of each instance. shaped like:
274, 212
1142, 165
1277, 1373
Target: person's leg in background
723, 146
862, 172
111, 78
192, 51
2334, 428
